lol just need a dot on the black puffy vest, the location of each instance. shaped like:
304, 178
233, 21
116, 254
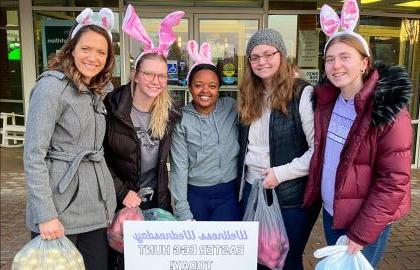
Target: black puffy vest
287, 141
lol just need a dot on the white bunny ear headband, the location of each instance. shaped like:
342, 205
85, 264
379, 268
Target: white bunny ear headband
331, 23
199, 56
135, 29
104, 18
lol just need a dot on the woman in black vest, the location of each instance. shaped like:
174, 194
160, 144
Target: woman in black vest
276, 136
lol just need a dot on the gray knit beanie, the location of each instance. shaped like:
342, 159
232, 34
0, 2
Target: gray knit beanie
268, 37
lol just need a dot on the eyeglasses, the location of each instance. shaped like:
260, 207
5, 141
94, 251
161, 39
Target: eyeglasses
266, 57
150, 76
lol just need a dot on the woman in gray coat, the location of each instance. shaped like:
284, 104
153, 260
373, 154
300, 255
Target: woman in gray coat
70, 189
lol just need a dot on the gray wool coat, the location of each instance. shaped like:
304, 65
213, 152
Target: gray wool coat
66, 172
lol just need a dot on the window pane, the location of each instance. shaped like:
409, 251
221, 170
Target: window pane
10, 60
228, 39
231, 3
287, 26
302, 39
201, 3
76, 3
395, 41
365, 5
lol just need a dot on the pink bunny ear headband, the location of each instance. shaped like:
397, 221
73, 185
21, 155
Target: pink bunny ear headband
104, 18
199, 56
135, 29
330, 23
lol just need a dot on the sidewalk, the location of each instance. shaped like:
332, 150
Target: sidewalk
403, 250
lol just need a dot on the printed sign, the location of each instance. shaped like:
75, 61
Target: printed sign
229, 71
172, 70
308, 48
54, 34
190, 245
311, 75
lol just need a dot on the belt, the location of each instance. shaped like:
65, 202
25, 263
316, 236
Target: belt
95, 156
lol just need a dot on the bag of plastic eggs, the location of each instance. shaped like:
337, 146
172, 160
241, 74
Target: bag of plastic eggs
58, 254
115, 232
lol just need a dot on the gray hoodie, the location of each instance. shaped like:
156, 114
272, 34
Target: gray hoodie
204, 151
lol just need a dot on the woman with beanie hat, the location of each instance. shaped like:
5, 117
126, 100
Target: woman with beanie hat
363, 137
276, 136
205, 147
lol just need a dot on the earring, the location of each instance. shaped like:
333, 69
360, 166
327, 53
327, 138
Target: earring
362, 71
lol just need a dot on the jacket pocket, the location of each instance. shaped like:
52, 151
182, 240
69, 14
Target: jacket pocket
207, 162
62, 201
290, 193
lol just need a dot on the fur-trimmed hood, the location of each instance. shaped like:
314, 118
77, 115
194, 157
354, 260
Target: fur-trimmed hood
392, 92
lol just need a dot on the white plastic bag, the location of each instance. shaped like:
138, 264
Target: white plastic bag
59, 254
337, 257
273, 243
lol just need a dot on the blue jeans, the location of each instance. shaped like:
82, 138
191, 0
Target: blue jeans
214, 203
298, 222
373, 252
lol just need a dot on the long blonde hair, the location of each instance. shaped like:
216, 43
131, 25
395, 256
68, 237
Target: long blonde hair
64, 61
251, 89
161, 105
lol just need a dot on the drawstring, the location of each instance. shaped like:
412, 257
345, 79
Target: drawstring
217, 128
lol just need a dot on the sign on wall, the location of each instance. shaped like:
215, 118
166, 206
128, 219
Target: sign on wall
54, 34
308, 48
311, 75
190, 245
173, 70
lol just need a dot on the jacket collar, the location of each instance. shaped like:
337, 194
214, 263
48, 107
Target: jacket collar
120, 102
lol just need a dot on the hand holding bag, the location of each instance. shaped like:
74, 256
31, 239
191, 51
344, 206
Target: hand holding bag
337, 257
48, 255
115, 231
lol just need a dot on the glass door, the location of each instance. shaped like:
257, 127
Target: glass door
395, 41
228, 38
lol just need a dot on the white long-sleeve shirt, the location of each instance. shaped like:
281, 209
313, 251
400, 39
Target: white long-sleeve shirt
257, 158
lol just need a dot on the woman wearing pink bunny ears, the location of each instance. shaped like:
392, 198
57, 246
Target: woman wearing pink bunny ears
205, 147
70, 189
140, 121
363, 137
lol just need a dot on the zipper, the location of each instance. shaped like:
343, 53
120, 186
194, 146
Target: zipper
138, 162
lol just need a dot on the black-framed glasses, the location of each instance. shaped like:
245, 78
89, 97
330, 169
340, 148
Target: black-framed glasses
150, 76
255, 58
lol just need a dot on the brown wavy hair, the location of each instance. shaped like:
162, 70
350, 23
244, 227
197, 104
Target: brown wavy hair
355, 43
161, 105
251, 89
63, 61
